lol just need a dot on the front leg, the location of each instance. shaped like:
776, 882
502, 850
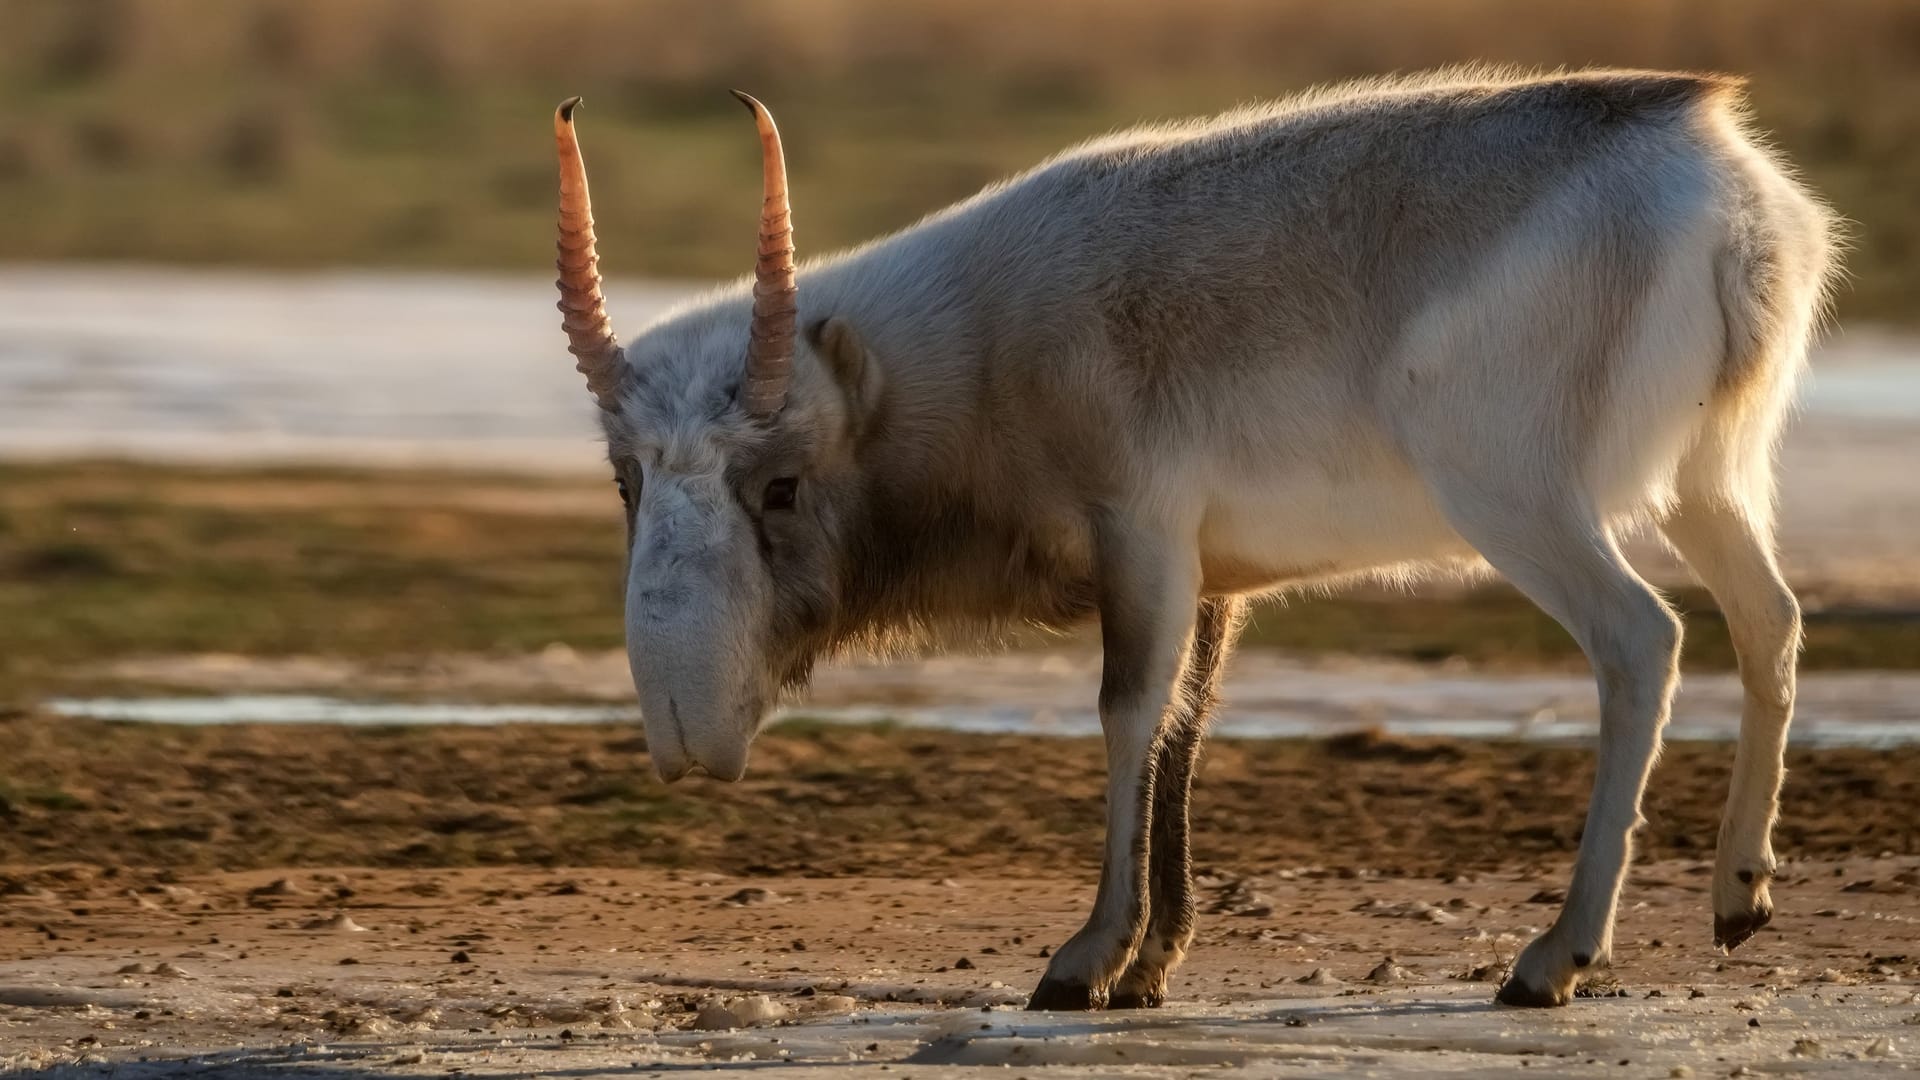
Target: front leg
1148, 587
1170, 863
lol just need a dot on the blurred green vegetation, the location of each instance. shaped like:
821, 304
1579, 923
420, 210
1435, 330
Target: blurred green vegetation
105, 561
413, 132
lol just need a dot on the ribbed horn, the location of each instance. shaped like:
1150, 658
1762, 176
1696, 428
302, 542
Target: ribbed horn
775, 309
590, 336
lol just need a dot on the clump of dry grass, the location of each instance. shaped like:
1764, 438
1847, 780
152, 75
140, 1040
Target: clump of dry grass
411, 131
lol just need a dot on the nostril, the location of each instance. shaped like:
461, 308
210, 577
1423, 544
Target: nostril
679, 730
661, 601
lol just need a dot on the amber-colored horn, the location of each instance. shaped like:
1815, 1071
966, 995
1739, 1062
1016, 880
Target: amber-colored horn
775, 309
590, 336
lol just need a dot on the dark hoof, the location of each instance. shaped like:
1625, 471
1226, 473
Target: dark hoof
1520, 995
1731, 931
1128, 999
1058, 995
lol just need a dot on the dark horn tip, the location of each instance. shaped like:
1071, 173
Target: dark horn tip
567, 107
752, 104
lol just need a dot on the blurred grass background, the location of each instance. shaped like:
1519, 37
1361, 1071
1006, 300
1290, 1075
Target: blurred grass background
413, 132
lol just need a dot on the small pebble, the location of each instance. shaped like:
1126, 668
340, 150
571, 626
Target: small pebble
753, 1010
1389, 972
340, 921
835, 1003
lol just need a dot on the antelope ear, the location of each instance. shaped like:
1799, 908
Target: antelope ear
837, 343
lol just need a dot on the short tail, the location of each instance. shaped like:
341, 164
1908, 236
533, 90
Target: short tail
1775, 276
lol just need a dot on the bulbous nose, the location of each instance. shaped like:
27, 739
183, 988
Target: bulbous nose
667, 745
725, 763
670, 760
677, 750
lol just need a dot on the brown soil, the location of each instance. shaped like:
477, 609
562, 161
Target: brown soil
103, 965
837, 801
146, 908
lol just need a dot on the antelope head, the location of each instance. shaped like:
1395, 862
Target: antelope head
733, 438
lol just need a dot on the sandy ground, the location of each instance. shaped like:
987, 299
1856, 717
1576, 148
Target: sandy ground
591, 972
272, 898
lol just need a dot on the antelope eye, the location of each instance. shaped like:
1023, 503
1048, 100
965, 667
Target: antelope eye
626, 496
780, 493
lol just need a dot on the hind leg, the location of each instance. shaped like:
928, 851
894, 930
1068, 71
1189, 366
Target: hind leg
1567, 563
1731, 553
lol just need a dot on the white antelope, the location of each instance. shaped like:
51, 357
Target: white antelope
1467, 319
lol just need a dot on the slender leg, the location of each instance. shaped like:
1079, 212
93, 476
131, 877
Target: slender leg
1170, 864
1148, 587
1732, 555
1568, 564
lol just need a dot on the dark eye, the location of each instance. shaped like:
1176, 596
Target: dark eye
626, 496
780, 493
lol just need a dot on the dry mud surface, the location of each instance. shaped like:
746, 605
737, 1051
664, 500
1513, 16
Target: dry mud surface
585, 972
254, 899
843, 801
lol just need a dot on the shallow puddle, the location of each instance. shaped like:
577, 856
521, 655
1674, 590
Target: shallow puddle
1267, 697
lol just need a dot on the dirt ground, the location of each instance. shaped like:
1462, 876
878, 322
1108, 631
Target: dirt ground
355, 902
830, 800
499, 971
